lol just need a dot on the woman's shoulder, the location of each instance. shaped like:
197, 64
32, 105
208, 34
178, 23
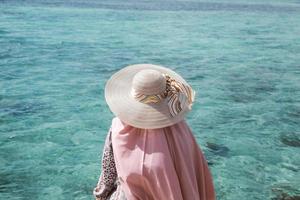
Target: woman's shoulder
116, 121
117, 124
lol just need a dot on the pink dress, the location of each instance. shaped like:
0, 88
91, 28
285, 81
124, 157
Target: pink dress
154, 164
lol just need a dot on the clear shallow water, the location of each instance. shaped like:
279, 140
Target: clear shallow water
243, 61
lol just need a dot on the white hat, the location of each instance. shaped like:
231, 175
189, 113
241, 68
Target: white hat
148, 96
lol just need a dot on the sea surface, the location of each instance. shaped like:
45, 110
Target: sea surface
241, 57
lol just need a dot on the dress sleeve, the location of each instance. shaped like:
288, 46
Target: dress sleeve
107, 181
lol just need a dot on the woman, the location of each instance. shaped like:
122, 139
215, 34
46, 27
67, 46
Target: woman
150, 152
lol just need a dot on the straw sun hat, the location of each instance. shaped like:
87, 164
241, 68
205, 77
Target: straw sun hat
148, 96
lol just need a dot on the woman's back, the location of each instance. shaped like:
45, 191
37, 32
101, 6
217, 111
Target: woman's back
162, 163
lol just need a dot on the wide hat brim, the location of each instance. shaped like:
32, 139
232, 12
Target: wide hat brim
129, 110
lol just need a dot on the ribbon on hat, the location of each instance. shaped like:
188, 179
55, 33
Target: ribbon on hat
176, 93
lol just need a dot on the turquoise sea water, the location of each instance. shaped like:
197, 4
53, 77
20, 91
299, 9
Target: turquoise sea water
243, 60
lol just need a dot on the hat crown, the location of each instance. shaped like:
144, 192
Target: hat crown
148, 82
